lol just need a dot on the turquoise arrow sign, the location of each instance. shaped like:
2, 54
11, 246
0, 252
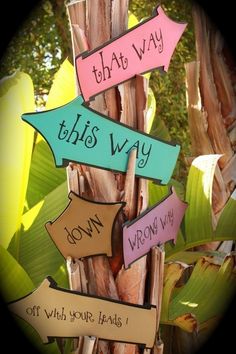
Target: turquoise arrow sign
78, 133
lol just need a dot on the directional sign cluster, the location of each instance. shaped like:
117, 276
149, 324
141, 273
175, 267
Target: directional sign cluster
77, 133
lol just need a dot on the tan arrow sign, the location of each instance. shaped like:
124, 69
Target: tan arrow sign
56, 312
84, 228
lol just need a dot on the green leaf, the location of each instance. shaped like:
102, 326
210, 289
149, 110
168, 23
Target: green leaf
44, 177
179, 188
15, 283
205, 295
63, 87
156, 193
159, 129
38, 254
172, 274
191, 257
151, 112
226, 226
198, 217
16, 98
132, 20
61, 277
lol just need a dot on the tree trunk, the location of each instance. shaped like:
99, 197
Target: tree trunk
92, 24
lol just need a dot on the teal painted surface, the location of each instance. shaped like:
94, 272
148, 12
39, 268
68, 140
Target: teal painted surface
77, 133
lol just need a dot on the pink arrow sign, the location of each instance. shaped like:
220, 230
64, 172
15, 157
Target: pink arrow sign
145, 47
157, 225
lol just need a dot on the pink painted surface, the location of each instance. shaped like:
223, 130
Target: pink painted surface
155, 226
146, 47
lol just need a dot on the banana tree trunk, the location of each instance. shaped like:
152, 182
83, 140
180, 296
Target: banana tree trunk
93, 23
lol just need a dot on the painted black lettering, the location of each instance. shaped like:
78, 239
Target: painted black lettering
75, 233
92, 223
106, 69
114, 59
91, 140
48, 313
98, 222
70, 238
134, 146
132, 243
140, 51
160, 40
163, 222
75, 132
142, 163
124, 61
85, 129
116, 148
64, 133
98, 77
140, 238
151, 40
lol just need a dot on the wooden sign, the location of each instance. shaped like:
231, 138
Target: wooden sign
157, 225
145, 47
55, 312
77, 133
84, 228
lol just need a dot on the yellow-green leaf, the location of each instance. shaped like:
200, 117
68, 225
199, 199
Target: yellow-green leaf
172, 274
226, 226
191, 257
151, 112
16, 98
198, 217
15, 282
132, 20
44, 177
63, 89
37, 254
205, 296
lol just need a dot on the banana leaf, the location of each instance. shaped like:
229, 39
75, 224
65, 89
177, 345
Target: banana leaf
37, 253
226, 226
16, 98
44, 177
191, 257
204, 297
46, 196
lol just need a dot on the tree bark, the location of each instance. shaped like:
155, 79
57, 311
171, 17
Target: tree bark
92, 24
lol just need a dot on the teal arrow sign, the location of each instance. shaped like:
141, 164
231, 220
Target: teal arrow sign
78, 133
